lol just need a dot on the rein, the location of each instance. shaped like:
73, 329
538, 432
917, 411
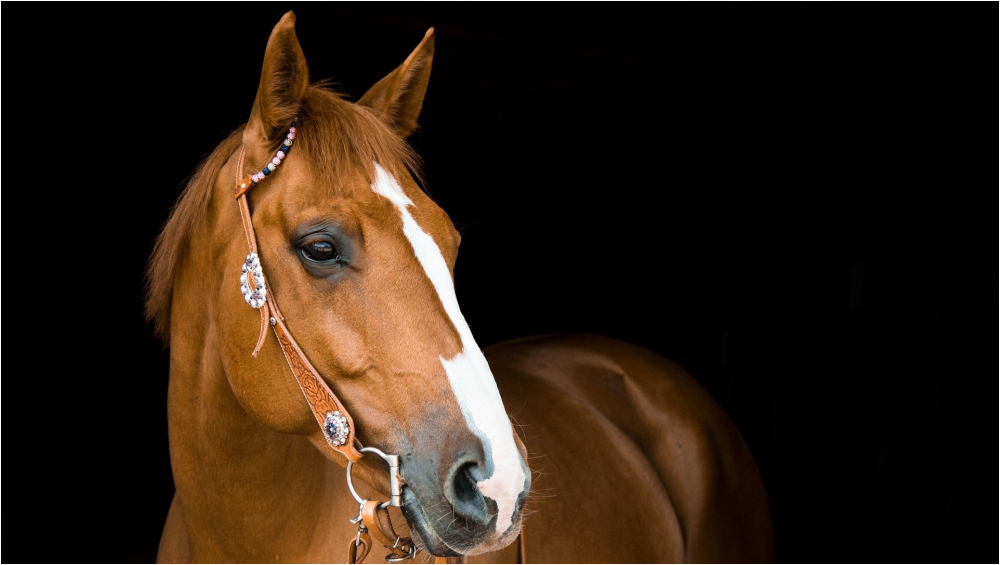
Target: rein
331, 415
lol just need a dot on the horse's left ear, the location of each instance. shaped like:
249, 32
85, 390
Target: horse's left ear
399, 96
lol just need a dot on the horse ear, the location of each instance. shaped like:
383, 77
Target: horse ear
399, 96
283, 83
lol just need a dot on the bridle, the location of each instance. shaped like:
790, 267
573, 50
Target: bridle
331, 415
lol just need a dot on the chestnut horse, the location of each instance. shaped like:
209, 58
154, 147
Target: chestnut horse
632, 460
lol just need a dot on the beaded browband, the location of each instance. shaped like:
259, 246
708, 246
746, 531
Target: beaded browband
333, 419
243, 185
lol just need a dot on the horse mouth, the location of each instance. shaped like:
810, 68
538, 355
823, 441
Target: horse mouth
421, 531
453, 541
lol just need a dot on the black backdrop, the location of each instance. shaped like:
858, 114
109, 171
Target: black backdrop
790, 200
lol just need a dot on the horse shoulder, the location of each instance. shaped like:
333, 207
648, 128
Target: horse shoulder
632, 459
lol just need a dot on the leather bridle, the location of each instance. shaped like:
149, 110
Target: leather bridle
333, 418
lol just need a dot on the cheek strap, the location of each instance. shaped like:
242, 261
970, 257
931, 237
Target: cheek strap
333, 419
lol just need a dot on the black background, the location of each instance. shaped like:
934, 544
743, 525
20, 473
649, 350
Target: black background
793, 201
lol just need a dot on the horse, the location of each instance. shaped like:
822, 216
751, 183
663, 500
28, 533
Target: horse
309, 223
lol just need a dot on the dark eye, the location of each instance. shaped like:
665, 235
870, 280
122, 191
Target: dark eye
320, 251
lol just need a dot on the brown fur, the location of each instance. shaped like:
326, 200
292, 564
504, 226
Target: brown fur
399, 96
172, 241
359, 139
633, 460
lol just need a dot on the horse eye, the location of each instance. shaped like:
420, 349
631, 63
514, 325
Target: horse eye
320, 251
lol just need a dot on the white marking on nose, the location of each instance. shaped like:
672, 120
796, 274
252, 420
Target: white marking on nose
468, 372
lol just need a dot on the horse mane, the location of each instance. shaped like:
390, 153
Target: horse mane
335, 135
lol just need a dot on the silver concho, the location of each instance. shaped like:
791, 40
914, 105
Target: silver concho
336, 429
258, 295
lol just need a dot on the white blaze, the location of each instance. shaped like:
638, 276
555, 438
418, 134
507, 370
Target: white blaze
468, 372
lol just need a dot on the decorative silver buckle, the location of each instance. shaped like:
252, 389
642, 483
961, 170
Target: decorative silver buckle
251, 268
336, 429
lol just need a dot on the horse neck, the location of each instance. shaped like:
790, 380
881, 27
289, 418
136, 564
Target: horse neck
242, 487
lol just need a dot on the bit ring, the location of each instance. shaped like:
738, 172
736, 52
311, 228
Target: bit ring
395, 488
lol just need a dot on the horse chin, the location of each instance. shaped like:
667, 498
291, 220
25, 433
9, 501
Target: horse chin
499, 543
430, 541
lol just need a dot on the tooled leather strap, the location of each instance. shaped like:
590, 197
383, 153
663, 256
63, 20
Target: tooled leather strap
329, 412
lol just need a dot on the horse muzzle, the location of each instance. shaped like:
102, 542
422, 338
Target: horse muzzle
448, 511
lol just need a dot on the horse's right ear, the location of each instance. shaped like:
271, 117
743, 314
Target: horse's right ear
283, 83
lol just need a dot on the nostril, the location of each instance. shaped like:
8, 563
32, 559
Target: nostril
464, 495
465, 486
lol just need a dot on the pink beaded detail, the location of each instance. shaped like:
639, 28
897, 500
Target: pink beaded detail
278, 157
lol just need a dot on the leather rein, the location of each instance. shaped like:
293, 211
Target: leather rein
331, 415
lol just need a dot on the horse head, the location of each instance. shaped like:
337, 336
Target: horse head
361, 261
